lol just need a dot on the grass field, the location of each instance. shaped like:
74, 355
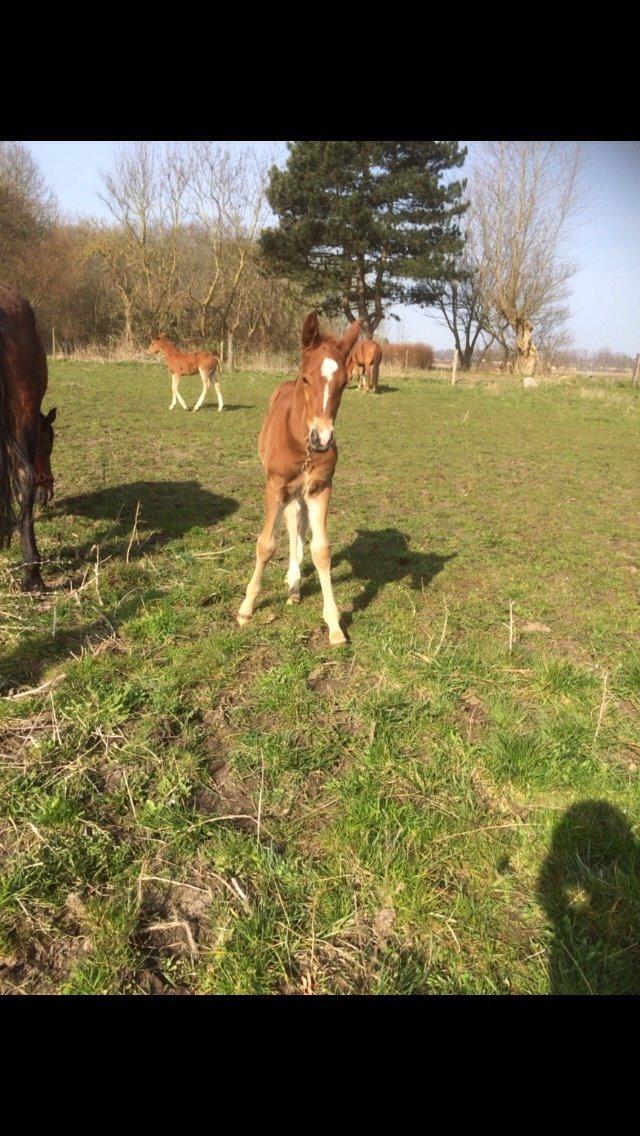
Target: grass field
194, 808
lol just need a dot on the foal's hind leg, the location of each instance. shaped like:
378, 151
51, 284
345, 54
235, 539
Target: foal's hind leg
219, 394
206, 383
296, 517
265, 549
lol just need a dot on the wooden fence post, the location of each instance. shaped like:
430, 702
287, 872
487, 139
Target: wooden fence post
53, 341
636, 371
455, 366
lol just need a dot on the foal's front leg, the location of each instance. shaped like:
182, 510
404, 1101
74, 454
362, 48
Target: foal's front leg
175, 379
318, 506
265, 549
296, 517
31, 579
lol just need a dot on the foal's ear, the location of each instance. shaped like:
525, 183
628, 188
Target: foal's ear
51, 416
310, 336
350, 338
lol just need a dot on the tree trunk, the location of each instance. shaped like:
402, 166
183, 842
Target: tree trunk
230, 351
466, 355
526, 351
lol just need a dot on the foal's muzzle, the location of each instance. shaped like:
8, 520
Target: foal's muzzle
317, 444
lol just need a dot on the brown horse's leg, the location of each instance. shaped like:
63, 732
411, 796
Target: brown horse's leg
175, 379
265, 549
206, 383
318, 506
219, 393
31, 579
296, 517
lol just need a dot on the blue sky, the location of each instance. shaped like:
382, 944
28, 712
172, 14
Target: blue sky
605, 299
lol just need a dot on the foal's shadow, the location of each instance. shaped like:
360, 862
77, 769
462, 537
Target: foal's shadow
168, 510
383, 556
589, 888
228, 406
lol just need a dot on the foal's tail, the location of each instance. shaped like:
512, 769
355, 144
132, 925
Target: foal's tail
7, 485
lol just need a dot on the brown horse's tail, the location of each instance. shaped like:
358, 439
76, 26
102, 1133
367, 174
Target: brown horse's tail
7, 484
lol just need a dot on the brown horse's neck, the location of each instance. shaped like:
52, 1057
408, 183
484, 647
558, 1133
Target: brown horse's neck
296, 421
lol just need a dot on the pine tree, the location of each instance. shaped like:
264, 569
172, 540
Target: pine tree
365, 225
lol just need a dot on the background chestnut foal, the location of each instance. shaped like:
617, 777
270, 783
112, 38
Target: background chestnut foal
187, 363
299, 455
365, 360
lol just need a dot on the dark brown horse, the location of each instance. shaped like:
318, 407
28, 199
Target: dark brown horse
26, 434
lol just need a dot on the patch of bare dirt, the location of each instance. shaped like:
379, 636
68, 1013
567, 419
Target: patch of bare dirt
474, 714
495, 802
627, 760
40, 966
173, 924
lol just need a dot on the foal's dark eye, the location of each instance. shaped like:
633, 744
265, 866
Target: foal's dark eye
305, 380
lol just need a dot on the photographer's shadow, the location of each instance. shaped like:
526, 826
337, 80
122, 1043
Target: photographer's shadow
589, 887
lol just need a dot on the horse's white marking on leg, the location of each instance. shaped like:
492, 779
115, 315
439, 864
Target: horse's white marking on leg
205, 387
321, 554
293, 515
174, 391
219, 394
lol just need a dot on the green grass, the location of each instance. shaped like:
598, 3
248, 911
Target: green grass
437, 813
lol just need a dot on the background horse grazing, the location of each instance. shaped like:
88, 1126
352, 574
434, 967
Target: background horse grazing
299, 454
365, 360
26, 435
187, 363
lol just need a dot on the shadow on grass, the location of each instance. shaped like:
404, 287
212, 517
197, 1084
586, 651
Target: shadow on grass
228, 406
589, 888
170, 508
383, 388
26, 663
383, 556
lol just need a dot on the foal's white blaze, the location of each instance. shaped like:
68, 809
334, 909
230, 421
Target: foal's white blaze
327, 370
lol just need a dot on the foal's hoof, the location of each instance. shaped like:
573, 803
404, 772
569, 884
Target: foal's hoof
337, 639
243, 619
293, 598
220, 409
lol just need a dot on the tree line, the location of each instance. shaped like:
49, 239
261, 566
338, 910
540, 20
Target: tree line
204, 243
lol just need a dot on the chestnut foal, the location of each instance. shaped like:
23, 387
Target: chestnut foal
187, 363
299, 455
365, 360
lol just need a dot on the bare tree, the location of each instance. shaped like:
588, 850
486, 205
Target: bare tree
144, 192
227, 206
464, 304
525, 196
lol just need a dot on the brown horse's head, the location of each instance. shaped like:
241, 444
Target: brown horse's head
323, 377
42, 460
156, 346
